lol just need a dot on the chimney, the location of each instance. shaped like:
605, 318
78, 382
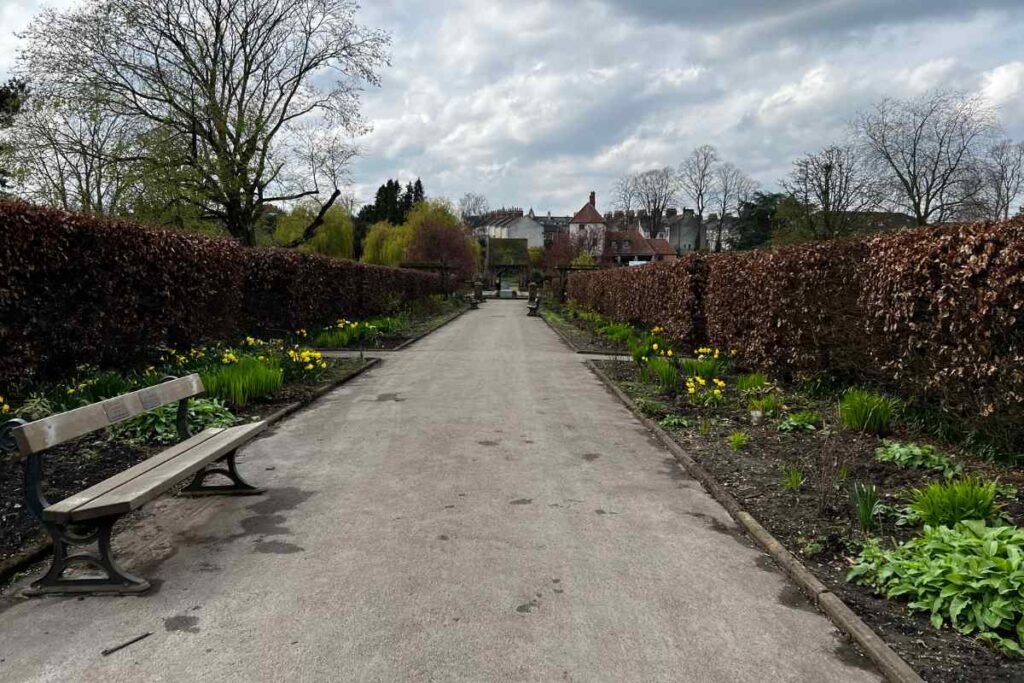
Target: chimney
671, 213
593, 198
687, 212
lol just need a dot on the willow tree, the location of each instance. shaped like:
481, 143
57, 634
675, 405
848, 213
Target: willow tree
231, 85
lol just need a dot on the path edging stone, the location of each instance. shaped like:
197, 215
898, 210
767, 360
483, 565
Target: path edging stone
21, 561
885, 658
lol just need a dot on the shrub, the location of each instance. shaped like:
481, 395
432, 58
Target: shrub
788, 310
738, 441
243, 382
915, 456
864, 499
950, 502
78, 290
751, 382
617, 332
804, 421
160, 424
625, 295
866, 411
968, 576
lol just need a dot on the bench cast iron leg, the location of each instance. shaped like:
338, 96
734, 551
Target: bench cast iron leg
65, 538
237, 487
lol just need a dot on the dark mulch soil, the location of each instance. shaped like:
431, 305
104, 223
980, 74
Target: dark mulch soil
581, 334
77, 465
754, 477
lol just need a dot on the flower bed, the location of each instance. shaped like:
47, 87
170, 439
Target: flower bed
850, 481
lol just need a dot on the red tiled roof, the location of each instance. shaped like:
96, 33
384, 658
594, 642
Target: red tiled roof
661, 247
588, 214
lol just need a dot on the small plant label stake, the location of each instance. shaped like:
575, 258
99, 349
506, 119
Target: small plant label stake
755, 417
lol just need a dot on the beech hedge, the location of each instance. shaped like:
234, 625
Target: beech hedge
935, 315
75, 289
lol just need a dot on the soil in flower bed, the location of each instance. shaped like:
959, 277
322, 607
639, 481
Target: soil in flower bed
825, 536
72, 467
581, 334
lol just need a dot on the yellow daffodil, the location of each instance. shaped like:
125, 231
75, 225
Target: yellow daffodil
655, 346
670, 353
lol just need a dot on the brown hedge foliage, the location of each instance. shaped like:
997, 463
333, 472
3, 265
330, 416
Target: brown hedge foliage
665, 293
945, 313
75, 289
790, 310
936, 315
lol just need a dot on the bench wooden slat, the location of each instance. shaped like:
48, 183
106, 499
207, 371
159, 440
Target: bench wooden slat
148, 485
56, 429
61, 512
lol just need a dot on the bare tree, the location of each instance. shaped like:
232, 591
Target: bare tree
228, 81
656, 190
696, 177
473, 204
832, 186
928, 150
624, 192
74, 159
730, 187
1003, 178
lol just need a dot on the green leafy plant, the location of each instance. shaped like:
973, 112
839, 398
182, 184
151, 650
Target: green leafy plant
751, 382
706, 426
867, 411
970, 576
243, 382
792, 478
738, 441
812, 548
950, 502
804, 421
916, 456
675, 422
651, 408
706, 366
769, 404
864, 499
664, 373
160, 424
35, 407
617, 332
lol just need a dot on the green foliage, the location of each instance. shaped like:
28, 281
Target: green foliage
970, 576
947, 503
617, 332
705, 426
665, 373
160, 424
243, 382
792, 478
706, 366
651, 408
101, 386
769, 404
804, 421
867, 411
385, 244
35, 407
346, 333
738, 441
334, 237
916, 456
865, 503
675, 422
812, 549
754, 381
584, 258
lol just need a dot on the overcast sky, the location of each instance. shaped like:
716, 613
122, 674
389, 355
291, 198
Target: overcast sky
536, 103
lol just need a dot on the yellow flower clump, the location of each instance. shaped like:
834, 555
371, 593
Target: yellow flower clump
4, 408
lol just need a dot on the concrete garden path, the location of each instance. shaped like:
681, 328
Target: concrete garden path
478, 508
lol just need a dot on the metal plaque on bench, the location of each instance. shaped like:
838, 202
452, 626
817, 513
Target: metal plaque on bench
150, 398
116, 410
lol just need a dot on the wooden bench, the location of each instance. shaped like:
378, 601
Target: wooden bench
533, 308
87, 518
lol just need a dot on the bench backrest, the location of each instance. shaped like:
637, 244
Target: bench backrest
56, 429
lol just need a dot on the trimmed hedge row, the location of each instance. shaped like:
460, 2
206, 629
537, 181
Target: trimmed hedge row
933, 314
75, 289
